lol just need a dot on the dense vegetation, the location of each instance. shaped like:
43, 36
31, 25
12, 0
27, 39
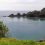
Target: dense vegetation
3, 29
34, 13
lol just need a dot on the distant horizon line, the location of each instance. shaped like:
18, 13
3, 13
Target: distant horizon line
20, 10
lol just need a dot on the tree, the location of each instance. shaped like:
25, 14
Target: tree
42, 13
12, 15
36, 13
23, 14
18, 14
29, 14
33, 14
3, 29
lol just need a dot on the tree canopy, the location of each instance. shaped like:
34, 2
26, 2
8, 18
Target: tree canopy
3, 29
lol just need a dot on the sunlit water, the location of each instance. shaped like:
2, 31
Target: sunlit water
24, 28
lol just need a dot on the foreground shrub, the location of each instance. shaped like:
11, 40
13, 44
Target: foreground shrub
3, 29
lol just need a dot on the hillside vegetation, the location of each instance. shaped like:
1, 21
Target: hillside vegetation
13, 41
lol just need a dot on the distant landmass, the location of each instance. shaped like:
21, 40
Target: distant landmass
7, 13
34, 13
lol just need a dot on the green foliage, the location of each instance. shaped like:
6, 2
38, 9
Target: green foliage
3, 29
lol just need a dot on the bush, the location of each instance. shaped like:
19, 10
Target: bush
3, 29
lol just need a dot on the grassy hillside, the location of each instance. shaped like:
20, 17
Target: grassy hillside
13, 41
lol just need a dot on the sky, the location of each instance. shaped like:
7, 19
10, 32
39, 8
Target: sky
22, 5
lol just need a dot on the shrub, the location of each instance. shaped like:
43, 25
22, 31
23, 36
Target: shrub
3, 29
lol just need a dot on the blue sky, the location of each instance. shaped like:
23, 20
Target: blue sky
21, 5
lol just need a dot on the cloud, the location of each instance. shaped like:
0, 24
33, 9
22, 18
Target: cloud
21, 4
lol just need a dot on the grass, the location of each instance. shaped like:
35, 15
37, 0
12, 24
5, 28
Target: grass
13, 41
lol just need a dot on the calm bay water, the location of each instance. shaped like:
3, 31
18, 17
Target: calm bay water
24, 28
